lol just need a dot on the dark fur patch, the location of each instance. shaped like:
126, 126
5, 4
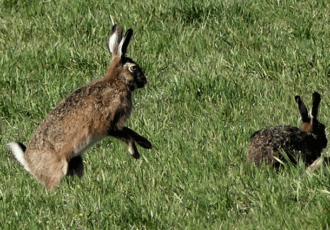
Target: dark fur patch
22, 146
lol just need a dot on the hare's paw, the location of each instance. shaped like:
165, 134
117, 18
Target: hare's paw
133, 150
136, 155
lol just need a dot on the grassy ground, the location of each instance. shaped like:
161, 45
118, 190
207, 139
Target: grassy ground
216, 73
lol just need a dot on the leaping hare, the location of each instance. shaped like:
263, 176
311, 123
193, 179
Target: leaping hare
306, 143
85, 117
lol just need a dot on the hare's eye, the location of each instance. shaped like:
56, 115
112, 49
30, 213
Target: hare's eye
132, 68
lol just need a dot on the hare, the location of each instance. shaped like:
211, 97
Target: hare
306, 143
84, 118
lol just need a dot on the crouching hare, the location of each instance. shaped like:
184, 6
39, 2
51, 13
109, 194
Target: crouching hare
85, 117
306, 143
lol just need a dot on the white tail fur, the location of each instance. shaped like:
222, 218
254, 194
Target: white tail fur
18, 152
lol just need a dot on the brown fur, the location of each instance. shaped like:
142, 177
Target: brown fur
96, 110
307, 127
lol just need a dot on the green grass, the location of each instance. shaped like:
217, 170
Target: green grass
216, 73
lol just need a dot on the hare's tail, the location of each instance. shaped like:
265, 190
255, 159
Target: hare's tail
18, 150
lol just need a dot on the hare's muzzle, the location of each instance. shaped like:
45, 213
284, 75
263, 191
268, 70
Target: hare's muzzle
141, 81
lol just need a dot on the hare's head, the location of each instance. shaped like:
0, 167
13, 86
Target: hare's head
123, 68
311, 125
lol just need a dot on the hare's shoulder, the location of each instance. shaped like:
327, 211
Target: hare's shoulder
97, 94
81, 97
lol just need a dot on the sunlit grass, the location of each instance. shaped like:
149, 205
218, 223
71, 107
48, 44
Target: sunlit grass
216, 73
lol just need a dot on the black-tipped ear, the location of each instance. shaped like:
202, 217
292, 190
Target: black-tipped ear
125, 41
115, 39
316, 103
302, 109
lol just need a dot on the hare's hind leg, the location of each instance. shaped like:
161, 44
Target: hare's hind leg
76, 167
47, 166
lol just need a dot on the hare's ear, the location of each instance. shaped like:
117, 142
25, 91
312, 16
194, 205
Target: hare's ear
302, 109
125, 41
114, 40
316, 103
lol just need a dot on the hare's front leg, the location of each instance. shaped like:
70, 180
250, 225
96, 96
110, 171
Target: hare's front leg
124, 135
142, 141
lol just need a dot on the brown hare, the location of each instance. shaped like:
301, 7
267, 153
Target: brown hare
85, 117
306, 143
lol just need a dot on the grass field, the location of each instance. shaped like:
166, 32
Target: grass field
216, 73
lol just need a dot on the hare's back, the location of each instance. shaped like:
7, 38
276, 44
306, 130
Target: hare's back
268, 143
278, 134
88, 112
